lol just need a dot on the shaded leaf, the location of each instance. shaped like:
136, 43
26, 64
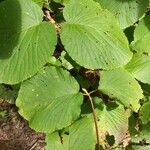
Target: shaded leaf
126, 11
139, 66
146, 92
9, 93
139, 147
141, 37
118, 84
142, 135
113, 120
145, 113
129, 32
26, 43
80, 135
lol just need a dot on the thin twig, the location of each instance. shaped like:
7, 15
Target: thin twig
49, 18
94, 116
34, 145
93, 91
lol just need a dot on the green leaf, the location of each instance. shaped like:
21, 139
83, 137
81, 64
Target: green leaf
61, 1
58, 1
141, 37
133, 126
26, 43
113, 120
9, 93
39, 2
118, 84
65, 63
145, 113
50, 100
80, 135
139, 66
146, 92
144, 134
139, 147
141, 135
126, 11
93, 34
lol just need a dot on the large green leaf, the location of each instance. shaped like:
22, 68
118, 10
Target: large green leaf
113, 120
118, 84
92, 36
80, 135
141, 37
50, 100
126, 11
26, 43
139, 66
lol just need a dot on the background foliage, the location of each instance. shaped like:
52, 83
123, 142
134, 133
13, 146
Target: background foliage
81, 69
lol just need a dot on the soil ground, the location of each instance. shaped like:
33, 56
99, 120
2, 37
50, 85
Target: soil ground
15, 133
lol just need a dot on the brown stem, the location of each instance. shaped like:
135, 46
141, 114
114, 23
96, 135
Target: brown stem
94, 116
49, 18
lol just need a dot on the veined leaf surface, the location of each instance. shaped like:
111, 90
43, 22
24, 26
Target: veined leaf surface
126, 11
50, 101
120, 85
26, 43
92, 36
80, 135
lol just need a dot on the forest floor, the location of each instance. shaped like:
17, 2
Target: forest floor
15, 133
